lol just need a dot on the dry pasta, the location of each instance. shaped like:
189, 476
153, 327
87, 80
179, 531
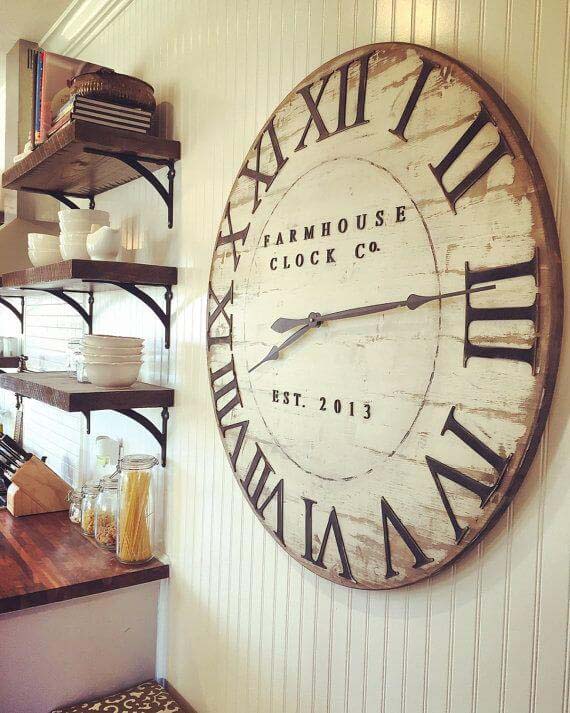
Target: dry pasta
134, 542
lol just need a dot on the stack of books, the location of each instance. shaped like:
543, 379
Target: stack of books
103, 113
54, 107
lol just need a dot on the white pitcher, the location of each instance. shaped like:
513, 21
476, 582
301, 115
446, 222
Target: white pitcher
104, 243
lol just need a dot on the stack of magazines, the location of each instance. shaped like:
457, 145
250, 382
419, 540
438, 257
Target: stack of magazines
103, 113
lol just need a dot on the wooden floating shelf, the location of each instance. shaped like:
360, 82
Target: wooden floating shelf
64, 164
60, 389
85, 274
46, 559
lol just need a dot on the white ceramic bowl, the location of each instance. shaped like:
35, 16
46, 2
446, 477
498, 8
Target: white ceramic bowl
77, 235
113, 375
42, 241
107, 340
81, 219
74, 252
44, 257
93, 350
110, 358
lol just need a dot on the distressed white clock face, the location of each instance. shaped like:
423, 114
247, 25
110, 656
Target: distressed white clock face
377, 444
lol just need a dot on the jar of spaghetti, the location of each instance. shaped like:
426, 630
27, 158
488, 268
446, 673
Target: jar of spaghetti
89, 493
106, 514
135, 517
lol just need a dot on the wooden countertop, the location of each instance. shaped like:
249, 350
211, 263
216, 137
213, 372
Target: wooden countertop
46, 559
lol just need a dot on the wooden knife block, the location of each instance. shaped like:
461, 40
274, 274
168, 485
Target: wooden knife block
36, 489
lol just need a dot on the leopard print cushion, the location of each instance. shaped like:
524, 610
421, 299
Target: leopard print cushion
149, 697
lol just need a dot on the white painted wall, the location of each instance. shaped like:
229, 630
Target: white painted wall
249, 629
59, 654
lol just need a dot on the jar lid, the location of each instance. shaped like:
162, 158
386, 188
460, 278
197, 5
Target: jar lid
109, 483
74, 495
138, 461
90, 488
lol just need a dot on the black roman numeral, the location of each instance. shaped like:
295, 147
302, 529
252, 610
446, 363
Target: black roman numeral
233, 236
420, 558
220, 311
255, 497
313, 104
501, 149
481, 490
256, 174
242, 425
333, 526
427, 67
226, 397
474, 314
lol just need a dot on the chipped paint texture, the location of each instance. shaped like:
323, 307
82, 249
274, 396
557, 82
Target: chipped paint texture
358, 218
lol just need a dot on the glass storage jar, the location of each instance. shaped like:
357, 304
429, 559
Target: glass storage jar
135, 520
75, 497
89, 493
106, 514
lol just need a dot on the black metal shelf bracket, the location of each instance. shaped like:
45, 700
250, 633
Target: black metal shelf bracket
164, 315
160, 435
61, 197
64, 296
136, 163
19, 313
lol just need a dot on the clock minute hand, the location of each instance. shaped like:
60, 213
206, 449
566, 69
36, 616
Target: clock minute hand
284, 324
276, 350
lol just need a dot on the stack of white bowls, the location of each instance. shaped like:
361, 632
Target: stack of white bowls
43, 249
76, 224
112, 361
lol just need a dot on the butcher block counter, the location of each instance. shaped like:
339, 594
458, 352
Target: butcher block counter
46, 559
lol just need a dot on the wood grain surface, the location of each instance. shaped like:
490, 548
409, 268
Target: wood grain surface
61, 163
60, 389
77, 274
46, 559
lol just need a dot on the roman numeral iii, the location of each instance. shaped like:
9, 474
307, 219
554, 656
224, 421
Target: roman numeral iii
475, 314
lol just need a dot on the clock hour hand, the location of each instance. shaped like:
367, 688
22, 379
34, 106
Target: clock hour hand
276, 350
314, 319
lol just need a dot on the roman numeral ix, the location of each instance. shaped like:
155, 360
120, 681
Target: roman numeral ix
220, 311
313, 103
440, 470
475, 314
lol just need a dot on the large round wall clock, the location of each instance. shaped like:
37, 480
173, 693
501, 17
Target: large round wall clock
384, 316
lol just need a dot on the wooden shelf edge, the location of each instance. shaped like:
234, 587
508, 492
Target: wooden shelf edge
43, 387
41, 597
86, 270
93, 136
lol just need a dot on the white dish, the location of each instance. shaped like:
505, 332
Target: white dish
109, 340
81, 219
42, 241
113, 375
44, 257
98, 357
104, 350
74, 252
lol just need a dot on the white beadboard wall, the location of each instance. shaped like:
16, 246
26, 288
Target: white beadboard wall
249, 630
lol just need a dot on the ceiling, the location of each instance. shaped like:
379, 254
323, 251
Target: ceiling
27, 20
